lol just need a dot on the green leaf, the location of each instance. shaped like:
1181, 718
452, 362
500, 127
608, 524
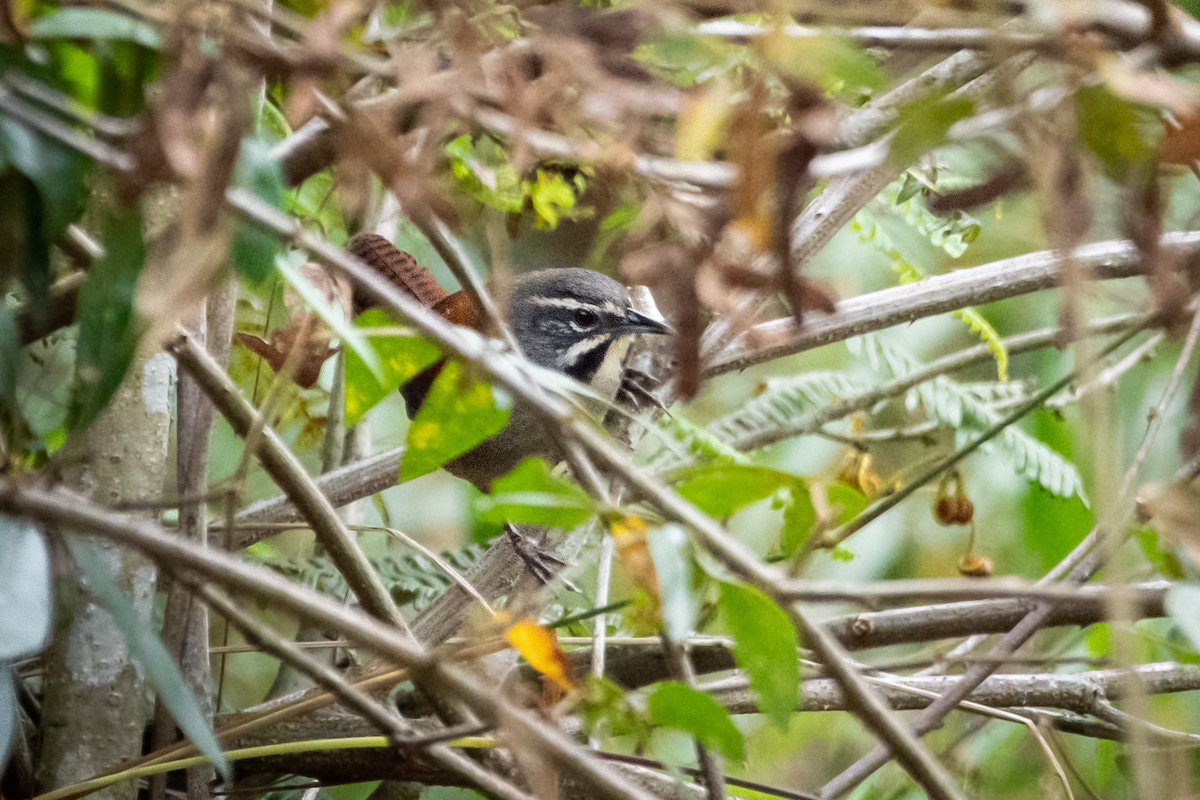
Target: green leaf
722, 489
674, 705
784, 408
533, 495
924, 125
483, 171
25, 591
254, 248
401, 358
1164, 561
145, 646
1182, 601
833, 62
980, 326
457, 414
59, 173
108, 325
605, 710
765, 647
671, 552
551, 197
1121, 134
848, 501
94, 23
331, 314
799, 517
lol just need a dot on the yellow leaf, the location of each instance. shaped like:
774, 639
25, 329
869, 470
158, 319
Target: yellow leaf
629, 533
703, 122
539, 646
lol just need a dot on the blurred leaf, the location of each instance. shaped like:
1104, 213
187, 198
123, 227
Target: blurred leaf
832, 62
59, 175
94, 23
799, 517
765, 646
457, 414
631, 536
253, 249
722, 489
483, 171
551, 197
331, 313
674, 705
108, 326
25, 591
672, 555
923, 126
272, 124
605, 711
1121, 134
532, 494
707, 445
704, 121
1182, 601
784, 406
314, 200
1173, 509
988, 335
846, 500
145, 646
401, 358
1165, 562
539, 646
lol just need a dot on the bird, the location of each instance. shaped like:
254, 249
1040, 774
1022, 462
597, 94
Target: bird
574, 321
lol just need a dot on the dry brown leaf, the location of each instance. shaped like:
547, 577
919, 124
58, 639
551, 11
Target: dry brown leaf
302, 347
1173, 509
1181, 142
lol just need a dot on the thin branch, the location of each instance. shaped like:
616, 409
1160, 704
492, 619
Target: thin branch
999, 280
387, 720
1076, 692
343, 485
59, 507
916, 590
290, 475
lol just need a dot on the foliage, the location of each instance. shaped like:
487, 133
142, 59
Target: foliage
712, 160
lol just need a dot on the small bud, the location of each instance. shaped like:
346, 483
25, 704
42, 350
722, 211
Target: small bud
975, 567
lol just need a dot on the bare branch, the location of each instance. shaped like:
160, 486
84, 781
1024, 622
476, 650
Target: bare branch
938, 294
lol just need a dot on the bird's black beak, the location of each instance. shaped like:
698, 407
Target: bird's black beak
637, 322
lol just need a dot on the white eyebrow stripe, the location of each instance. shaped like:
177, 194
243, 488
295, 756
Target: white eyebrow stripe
560, 302
577, 350
572, 304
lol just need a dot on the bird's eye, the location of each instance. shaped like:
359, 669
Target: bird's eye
585, 318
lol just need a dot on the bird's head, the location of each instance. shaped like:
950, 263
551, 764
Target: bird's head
576, 321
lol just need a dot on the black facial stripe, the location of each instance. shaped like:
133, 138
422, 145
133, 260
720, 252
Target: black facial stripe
586, 365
